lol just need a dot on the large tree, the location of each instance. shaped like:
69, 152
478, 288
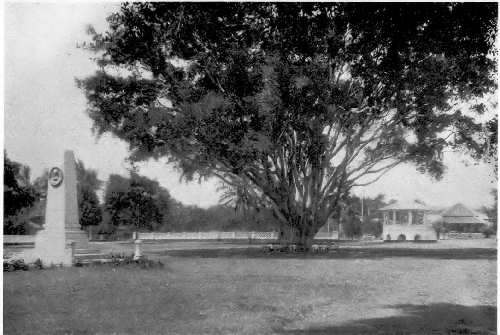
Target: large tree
296, 103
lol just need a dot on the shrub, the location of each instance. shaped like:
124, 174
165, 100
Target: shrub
38, 264
488, 231
14, 264
127, 260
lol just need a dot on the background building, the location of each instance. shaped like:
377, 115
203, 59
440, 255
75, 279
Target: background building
407, 221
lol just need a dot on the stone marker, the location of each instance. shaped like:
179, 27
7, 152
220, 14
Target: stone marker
56, 243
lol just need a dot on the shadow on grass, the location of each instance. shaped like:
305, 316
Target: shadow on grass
432, 319
342, 253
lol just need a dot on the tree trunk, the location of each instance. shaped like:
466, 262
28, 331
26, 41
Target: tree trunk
306, 237
302, 237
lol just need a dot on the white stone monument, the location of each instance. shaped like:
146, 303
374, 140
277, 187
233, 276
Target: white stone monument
56, 243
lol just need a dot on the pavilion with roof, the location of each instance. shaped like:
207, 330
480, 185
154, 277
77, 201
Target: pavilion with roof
407, 221
459, 215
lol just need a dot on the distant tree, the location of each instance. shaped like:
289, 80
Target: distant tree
218, 218
356, 222
136, 201
360, 217
372, 223
88, 202
18, 195
492, 211
299, 102
41, 183
350, 221
439, 227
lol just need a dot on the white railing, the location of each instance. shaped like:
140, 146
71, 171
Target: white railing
221, 235
462, 236
210, 235
327, 236
18, 239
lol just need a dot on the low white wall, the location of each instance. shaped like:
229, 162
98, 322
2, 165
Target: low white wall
214, 235
462, 236
18, 239
211, 235
334, 235
426, 232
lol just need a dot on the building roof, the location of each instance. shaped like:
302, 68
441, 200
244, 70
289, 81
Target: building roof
400, 205
459, 213
458, 210
461, 219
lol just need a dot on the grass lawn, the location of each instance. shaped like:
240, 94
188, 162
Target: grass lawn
236, 295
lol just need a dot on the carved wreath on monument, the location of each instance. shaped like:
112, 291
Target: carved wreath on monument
55, 176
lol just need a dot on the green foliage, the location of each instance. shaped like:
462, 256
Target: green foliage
18, 196
354, 224
351, 224
14, 265
38, 264
219, 218
299, 102
40, 184
350, 217
119, 260
136, 201
89, 209
439, 227
489, 231
18, 193
88, 203
492, 211
18, 224
372, 223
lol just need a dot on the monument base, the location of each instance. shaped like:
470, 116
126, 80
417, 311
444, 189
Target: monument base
52, 249
50, 256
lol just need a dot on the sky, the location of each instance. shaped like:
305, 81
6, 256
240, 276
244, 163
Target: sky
44, 114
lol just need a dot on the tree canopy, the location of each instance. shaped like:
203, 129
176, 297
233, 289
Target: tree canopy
136, 201
296, 103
